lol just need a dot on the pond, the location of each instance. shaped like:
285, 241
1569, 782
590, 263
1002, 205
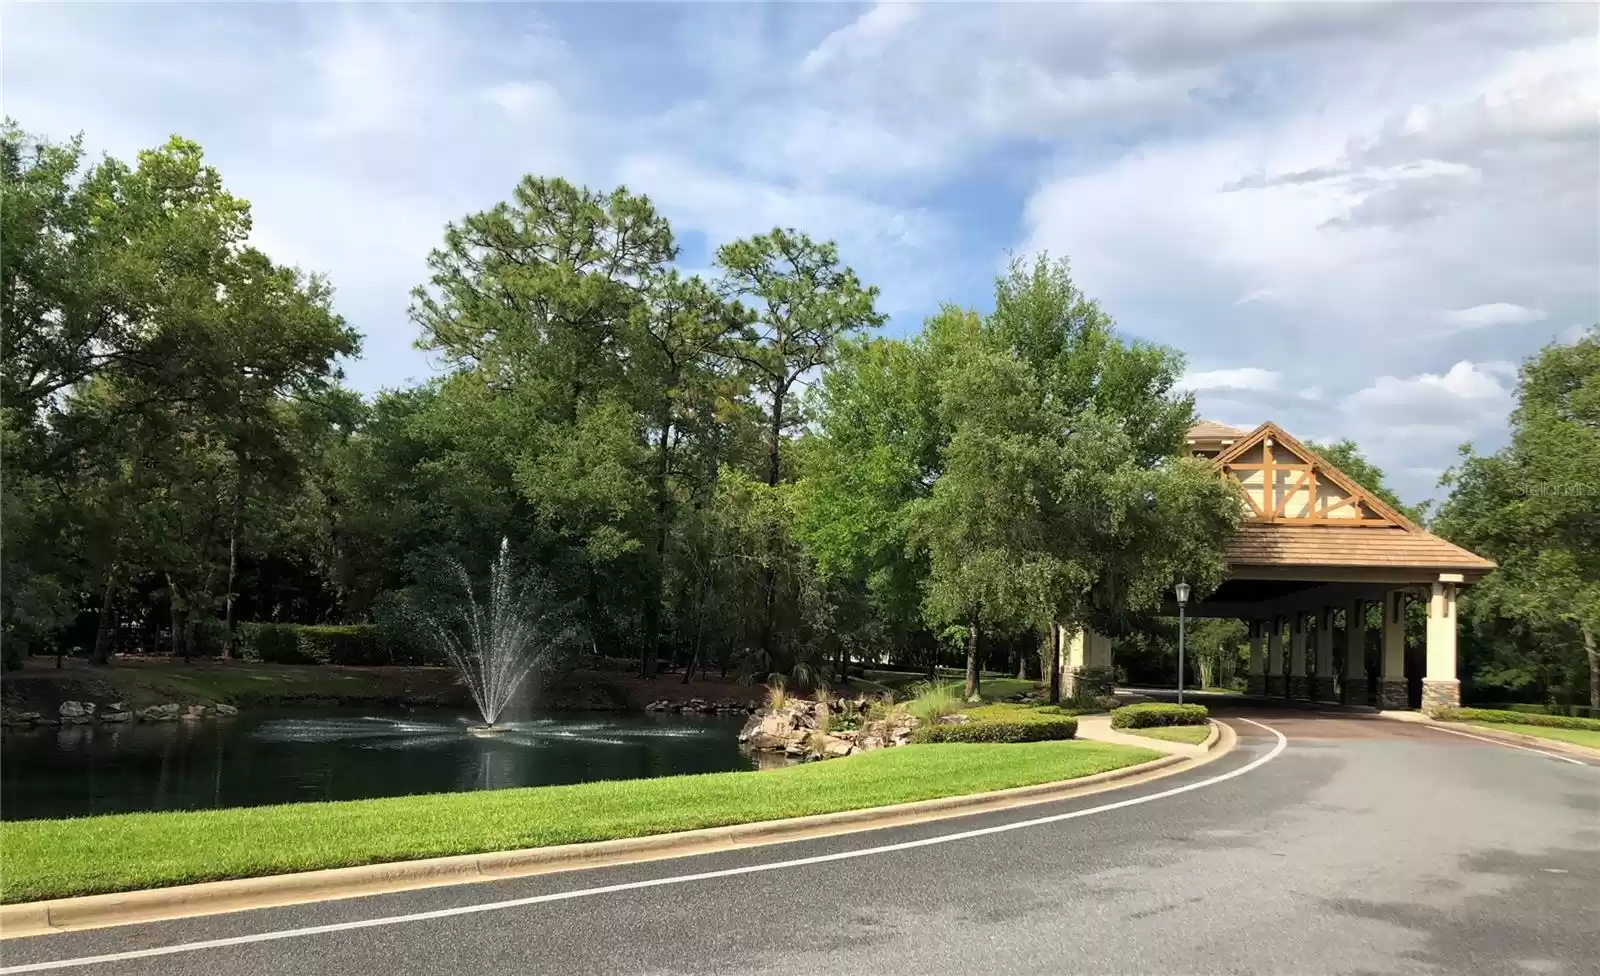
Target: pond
290, 757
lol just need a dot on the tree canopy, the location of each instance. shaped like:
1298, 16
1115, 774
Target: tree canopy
732, 470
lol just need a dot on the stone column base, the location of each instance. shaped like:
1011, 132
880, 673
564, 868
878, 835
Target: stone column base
1322, 689
1087, 684
1393, 694
1440, 693
1353, 691
1299, 687
1274, 686
1255, 684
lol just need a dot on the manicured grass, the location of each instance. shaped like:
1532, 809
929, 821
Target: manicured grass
1016, 712
244, 684
1582, 737
992, 688
57, 858
1192, 734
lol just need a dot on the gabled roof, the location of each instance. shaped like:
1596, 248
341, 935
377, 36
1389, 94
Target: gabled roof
1306, 513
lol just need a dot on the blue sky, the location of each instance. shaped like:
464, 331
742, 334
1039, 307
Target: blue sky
1354, 219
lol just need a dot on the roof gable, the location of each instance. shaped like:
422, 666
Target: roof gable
1286, 482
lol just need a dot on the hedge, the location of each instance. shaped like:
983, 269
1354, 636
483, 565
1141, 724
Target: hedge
1492, 715
1034, 730
1580, 711
1151, 715
346, 644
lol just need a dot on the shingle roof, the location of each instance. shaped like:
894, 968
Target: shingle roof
1210, 430
1285, 544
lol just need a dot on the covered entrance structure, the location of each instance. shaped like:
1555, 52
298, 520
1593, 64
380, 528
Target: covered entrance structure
1315, 552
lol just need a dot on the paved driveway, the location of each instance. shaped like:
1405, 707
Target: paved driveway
1362, 846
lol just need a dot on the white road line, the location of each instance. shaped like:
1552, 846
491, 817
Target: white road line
1494, 742
39, 967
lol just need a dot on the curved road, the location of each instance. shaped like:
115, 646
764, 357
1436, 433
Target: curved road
1363, 845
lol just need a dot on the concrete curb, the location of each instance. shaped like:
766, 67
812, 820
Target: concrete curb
1490, 732
220, 897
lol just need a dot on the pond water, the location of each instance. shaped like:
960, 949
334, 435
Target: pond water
289, 757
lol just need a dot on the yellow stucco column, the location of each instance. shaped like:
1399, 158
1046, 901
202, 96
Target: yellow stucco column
1353, 686
1299, 687
1322, 686
1275, 686
1393, 692
1440, 689
1086, 670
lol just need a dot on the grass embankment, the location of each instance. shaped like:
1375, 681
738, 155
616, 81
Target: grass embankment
1191, 734
1581, 737
58, 858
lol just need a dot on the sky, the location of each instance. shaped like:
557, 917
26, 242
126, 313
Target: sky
1354, 219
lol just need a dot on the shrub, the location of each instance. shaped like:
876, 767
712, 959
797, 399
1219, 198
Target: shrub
347, 644
1155, 714
1493, 715
1040, 729
933, 700
1580, 711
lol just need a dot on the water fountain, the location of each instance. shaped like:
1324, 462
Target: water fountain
494, 646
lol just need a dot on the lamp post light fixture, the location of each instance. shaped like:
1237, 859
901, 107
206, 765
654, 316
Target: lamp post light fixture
1182, 591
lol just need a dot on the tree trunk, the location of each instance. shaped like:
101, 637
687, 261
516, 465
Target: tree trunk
1593, 652
179, 648
769, 581
1055, 664
233, 572
974, 645
106, 625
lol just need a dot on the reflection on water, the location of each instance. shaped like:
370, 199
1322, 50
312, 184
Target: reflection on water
77, 770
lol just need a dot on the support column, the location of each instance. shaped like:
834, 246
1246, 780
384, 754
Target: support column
1392, 691
1353, 687
1299, 684
1086, 671
1440, 689
1274, 683
1322, 684
1255, 679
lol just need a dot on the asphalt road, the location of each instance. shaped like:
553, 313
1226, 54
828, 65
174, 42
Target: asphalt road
1364, 846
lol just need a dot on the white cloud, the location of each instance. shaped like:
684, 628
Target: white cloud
1465, 385
1243, 378
866, 36
1491, 314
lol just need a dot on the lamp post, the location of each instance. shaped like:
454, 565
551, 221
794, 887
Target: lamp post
1182, 591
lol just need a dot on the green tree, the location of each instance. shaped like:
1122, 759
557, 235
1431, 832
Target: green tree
804, 302
1531, 507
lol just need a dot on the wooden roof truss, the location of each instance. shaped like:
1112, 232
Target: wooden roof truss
1283, 481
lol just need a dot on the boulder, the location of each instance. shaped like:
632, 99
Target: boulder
226, 709
76, 720
74, 709
118, 707
116, 716
866, 742
834, 748
195, 711
953, 720
47, 720
170, 708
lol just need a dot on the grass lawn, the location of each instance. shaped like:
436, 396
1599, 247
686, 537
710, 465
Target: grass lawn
1582, 737
1192, 734
57, 858
1015, 712
992, 688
